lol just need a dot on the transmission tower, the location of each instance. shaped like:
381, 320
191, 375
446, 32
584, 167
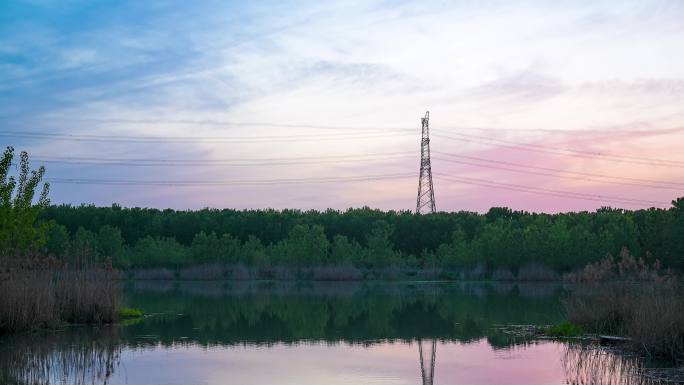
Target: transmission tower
426, 194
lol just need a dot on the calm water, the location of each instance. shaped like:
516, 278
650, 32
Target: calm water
287, 333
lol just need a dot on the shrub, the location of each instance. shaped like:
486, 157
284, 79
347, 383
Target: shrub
127, 312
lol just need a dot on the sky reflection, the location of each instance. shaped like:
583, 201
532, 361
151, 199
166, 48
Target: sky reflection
342, 364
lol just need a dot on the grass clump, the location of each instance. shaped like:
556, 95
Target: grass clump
565, 329
127, 312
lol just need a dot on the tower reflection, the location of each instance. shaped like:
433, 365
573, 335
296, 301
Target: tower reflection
427, 349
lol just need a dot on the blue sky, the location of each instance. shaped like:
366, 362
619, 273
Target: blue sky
351, 80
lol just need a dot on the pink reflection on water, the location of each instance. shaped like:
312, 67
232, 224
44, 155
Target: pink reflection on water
386, 363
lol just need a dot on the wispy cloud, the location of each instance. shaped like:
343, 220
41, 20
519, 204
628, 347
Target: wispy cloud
606, 76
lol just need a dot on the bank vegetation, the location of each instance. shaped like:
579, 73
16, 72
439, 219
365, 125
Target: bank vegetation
38, 290
628, 297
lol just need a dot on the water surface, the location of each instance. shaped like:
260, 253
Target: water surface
315, 333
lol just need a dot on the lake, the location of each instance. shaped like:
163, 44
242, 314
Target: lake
318, 333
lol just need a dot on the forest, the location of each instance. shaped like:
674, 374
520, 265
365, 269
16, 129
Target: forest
501, 241
355, 243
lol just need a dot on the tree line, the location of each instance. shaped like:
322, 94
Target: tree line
366, 238
363, 238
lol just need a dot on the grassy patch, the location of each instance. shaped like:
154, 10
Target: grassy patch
127, 312
566, 329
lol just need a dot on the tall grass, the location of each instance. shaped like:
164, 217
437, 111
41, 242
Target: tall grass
630, 298
39, 292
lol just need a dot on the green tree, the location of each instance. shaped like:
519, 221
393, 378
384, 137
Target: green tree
57, 241
154, 252
205, 247
83, 245
306, 245
253, 252
500, 238
229, 247
380, 249
18, 212
343, 251
110, 242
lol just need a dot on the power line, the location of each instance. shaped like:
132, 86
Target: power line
396, 153
501, 165
563, 152
585, 178
194, 139
237, 182
593, 153
229, 123
549, 192
325, 180
652, 181
239, 162
256, 162
344, 136
233, 123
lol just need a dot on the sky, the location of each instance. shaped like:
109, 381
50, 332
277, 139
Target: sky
535, 105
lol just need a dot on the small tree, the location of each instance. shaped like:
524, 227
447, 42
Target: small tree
18, 212
307, 245
342, 250
380, 250
110, 242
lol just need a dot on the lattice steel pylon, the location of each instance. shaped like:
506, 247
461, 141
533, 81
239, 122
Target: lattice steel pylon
426, 193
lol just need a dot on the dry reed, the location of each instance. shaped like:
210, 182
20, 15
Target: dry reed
631, 298
39, 292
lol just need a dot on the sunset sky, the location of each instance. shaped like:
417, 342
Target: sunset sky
536, 105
